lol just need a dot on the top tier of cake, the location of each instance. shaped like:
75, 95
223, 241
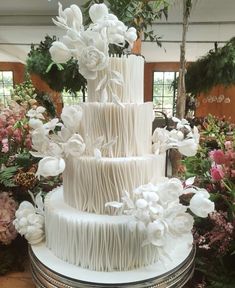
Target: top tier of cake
123, 80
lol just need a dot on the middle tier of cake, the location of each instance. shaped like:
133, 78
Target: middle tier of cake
89, 183
128, 127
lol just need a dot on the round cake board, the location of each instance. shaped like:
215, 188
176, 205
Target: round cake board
174, 272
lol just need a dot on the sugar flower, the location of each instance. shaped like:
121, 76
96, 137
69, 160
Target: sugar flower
29, 221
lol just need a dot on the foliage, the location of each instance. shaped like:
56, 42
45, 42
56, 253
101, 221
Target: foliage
217, 67
214, 169
58, 76
140, 14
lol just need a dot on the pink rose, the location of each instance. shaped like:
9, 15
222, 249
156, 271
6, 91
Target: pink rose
217, 173
218, 156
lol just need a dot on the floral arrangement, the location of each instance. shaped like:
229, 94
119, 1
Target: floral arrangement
17, 177
183, 137
55, 140
214, 167
89, 47
156, 209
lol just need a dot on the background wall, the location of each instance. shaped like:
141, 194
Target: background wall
23, 22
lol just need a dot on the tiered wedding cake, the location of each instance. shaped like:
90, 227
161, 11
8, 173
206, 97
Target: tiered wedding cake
78, 229
109, 215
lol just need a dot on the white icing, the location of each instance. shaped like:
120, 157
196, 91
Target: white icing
132, 70
89, 183
96, 242
131, 125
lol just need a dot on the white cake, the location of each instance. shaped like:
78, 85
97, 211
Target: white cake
75, 232
111, 214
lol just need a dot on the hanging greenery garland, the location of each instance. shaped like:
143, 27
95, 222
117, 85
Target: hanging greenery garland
58, 77
217, 67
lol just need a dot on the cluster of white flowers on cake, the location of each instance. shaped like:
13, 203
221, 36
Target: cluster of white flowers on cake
55, 140
90, 47
183, 137
29, 220
157, 211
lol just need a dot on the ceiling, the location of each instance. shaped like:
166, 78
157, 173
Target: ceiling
23, 22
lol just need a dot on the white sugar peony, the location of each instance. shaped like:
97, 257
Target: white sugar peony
91, 61
75, 146
71, 117
59, 52
29, 223
50, 166
201, 206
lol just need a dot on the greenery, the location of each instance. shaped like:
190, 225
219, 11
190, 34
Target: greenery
217, 67
140, 14
59, 77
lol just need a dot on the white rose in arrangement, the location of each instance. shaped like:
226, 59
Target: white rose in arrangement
50, 166
71, 117
201, 206
75, 146
155, 233
60, 52
91, 61
29, 221
178, 221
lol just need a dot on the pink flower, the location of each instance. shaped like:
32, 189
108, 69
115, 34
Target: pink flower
228, 145
7, 214
218, 156
217, 173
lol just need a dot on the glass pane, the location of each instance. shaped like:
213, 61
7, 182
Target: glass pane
168, 91
157, 90
1, 76
169, 77
168, 102
8, 77
158, 77
157, 102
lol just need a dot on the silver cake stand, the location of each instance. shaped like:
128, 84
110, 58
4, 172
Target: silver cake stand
50, 272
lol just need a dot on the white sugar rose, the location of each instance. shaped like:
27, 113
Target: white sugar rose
181, 223
50, 166
71, 117
91, 61
201, 206
75, 146
155, 233
60, 52
98, 12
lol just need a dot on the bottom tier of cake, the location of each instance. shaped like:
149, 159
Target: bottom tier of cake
98, 242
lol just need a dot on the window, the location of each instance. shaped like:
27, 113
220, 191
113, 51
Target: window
71, 99
163, 92
6, 85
